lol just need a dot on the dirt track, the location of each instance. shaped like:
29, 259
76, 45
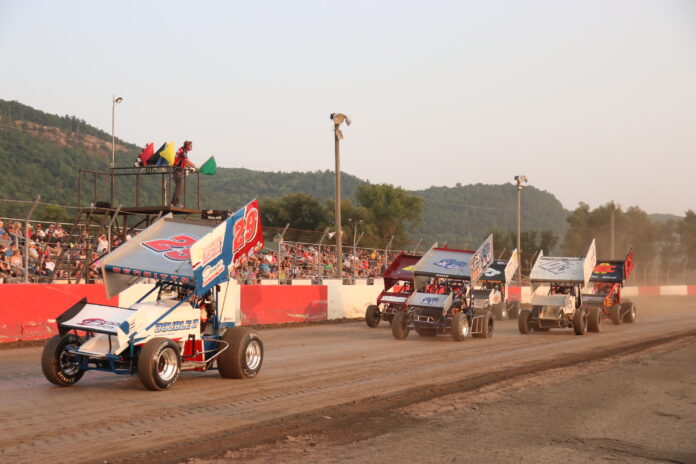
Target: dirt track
344, 378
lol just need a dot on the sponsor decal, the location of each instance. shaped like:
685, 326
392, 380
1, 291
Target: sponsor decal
211, 272
430, 300
212, 251
490, 272
604, 268
394, 299
99, 323
408, 268
176, 325
557, 266
450, 263
176, 248
154, 275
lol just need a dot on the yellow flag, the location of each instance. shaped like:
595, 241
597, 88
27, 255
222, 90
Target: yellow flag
169, 153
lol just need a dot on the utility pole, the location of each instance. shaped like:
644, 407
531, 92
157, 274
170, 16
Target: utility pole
613, 209
337, 119
114, 100
519, 180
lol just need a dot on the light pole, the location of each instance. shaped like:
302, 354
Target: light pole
519, 180
613, 210
114, 100
338, 119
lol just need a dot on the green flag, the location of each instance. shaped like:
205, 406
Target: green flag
209, 168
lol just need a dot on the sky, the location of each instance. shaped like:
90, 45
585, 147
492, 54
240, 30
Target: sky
594, 101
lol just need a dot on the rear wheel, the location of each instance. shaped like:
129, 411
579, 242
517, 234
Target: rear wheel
59, 365
500, 311
580, 322
594, 319
244, 356
424, 332
399, 328
628, 310
523, 321
615, 314
487, 328
159, 364
372, 316
459, 327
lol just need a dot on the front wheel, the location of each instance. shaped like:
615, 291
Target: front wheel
159, 364
243, 357
594, 319
487, 326
523, 323
615, 314
629, 312
500, 311
372, 316
399, 326
459, 327
59, 365
580, 322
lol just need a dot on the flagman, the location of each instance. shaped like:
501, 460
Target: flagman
181, 164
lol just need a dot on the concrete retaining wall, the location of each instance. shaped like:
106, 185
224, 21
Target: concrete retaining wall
28, 311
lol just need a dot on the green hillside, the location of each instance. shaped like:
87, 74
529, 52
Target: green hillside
42, 153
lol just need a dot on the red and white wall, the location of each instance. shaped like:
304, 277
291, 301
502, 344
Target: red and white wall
28, 312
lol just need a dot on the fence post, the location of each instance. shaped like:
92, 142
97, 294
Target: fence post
26, 238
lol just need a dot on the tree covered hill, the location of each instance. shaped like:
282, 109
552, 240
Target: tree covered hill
42, 153
463, 215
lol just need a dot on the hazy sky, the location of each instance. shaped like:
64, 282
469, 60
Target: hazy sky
592, 100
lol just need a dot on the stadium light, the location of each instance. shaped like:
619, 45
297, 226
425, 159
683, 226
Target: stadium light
338, 119
520, 180
614, 208
114, 100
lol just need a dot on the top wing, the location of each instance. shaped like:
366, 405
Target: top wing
165, 249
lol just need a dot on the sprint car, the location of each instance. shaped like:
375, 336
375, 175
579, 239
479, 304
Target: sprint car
608, 277
398, 285
494, 286
443, 301
557, 285
180, 323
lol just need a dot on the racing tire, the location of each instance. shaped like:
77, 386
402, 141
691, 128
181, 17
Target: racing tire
615, 314
628, 309
399, 326
594, 319
513, 309
488, 324
159, 364
523, 322
425, 332
580, 322
459, 327
243, 357
59, 366
372, 316
500, 311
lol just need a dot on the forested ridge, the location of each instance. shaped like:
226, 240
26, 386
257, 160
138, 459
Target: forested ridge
42, 153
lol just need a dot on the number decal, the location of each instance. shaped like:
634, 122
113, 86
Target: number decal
176, 248
252, 222
238, 231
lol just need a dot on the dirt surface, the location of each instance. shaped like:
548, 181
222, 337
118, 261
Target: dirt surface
345, 392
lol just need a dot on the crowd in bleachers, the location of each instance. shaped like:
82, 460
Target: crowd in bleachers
50, 243
308, 261
43, 244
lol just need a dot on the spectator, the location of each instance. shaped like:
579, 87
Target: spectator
40, 234
102, 244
